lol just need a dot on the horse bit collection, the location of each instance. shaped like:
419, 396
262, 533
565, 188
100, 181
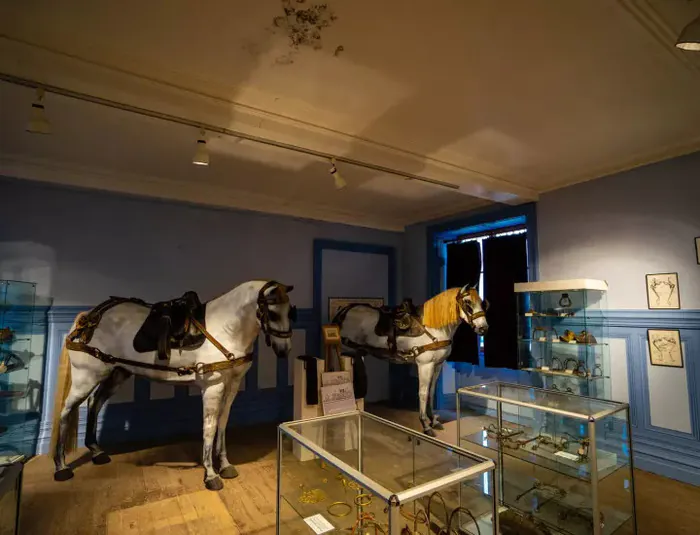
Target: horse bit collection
365, 520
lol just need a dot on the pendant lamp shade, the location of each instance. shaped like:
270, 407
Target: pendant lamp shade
689, 39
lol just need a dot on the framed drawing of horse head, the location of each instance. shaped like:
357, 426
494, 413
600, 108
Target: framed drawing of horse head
663, 291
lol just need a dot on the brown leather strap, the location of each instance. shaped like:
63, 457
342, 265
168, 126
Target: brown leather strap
182, 370
214, 341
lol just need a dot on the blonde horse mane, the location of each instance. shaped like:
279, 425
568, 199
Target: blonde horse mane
441, 310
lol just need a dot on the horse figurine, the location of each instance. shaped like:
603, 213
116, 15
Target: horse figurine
408, 334
213, 345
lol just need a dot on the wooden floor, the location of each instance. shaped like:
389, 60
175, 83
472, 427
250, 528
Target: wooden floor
158, 490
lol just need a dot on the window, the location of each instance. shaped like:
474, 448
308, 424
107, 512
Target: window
480, 236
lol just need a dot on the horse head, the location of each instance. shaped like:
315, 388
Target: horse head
472, 309
276, 314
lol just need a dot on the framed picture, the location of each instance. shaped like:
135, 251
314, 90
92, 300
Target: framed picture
331, 334
665, 348
663, 291
336, 303
697, 248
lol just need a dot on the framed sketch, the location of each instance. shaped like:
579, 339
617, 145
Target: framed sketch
336, 303
663, 291
665, 347
331, 334
697, 248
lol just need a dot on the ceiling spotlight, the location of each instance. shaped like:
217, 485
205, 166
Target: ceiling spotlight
201, 155
689, 39
38, 123
339, 182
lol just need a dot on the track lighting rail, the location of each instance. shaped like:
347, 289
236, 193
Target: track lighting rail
217, 129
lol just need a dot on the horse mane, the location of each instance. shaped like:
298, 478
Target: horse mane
441, 310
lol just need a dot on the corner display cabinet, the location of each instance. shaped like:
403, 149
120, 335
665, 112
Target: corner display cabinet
563, 335
357, 473
564, 461
19, 389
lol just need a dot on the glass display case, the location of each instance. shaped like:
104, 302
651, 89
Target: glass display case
20, 372
564, 461
358, 473
563, 335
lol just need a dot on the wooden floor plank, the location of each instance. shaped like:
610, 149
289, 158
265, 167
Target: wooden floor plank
137, 494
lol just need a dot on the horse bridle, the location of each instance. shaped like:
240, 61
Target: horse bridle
263, 312
468, 312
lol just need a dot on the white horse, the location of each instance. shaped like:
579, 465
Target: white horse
101, 349
423, 336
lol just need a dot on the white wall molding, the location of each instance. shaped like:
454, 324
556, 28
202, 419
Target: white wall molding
201, 192
660, 30
153, 92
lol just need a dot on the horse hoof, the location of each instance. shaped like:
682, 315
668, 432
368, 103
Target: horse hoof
63, 475
214, 483
101, 458
438, 426
429, 432
229, 472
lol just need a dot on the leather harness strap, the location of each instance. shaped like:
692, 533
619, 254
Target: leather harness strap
231, 361
412, 353
182, 370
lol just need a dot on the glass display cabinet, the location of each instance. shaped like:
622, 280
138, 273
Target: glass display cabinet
564, 461
563, 335
19, 390
358, 473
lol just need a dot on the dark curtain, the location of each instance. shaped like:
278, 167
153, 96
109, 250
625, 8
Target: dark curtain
464, 267
505, 263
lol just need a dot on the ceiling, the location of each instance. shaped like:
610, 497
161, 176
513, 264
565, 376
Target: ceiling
503, 99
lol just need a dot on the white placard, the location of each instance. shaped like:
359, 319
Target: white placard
336, 378
337, 399
567, 455
319, 524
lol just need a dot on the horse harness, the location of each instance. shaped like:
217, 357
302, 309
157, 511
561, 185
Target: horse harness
80, 337
405, 320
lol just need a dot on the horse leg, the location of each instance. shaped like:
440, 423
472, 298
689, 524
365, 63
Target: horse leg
102, 393
226, 469
83, 382
212, 398
434, 421
425, 375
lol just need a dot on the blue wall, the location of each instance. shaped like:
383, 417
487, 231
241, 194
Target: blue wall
82, 246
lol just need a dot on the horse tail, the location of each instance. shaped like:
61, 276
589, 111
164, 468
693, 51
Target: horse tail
63, 386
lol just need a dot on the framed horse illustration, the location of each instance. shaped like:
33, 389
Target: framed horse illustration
663, 291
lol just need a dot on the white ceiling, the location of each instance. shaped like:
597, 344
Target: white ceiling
505, 99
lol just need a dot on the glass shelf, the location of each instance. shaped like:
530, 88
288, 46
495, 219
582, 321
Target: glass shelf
564, 459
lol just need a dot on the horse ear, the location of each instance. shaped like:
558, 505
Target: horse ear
289, 288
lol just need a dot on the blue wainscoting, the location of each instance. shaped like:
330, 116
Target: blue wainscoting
142, 419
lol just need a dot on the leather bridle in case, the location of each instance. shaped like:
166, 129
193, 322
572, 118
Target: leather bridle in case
263, 312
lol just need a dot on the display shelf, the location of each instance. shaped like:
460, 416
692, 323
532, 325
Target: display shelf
607, 462
560, 457
563, 515
368, 471
548, 310
559, 373
21, 370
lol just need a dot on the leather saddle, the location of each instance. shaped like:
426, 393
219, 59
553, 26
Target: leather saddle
401, 320
168, 326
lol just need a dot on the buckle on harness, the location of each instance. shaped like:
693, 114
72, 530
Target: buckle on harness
414, 352
182, 370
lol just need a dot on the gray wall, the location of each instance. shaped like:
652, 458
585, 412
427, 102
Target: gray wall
621, 227
83, 246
